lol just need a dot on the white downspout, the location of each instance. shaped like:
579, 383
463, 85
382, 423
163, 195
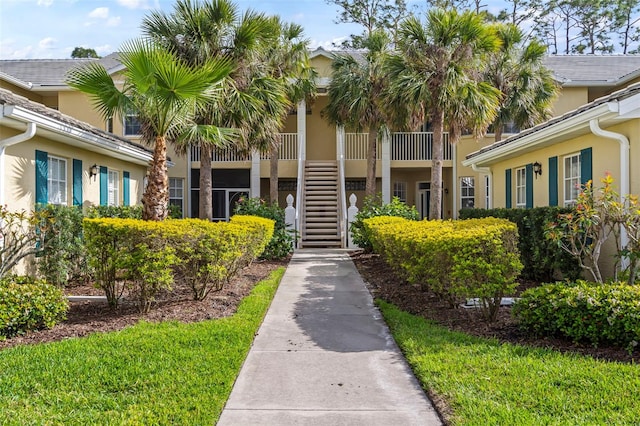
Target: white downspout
28, 134
485, 171
594, 125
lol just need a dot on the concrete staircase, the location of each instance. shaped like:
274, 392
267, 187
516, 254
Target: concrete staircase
321, 218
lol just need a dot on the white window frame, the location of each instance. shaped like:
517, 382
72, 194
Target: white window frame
521, 188
133, 117
487, 192
400, 190
59, 196
113, 187
467, 192
571, 181
176, 187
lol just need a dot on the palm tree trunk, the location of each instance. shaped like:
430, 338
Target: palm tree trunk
273, 173
370, 188
498, 132
435, 201
155, 199
205, 207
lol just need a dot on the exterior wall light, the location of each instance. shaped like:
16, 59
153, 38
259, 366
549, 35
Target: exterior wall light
537, 169
93, 171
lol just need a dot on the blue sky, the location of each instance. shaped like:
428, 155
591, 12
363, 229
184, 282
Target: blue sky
39, 29
52, 28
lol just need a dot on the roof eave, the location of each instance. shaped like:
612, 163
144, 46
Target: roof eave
545, 135
75, 135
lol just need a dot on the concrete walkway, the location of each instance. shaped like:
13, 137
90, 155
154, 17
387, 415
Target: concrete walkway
324, 356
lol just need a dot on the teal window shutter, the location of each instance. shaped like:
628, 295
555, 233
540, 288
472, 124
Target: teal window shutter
507, 189
77, 182
125, 188
104, 186
42, 174
528, 171
586, 166
553, 181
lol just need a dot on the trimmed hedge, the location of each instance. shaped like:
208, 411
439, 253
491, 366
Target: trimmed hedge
454, 259
146, 256
28, 304
583, 311
542, 259
283, 239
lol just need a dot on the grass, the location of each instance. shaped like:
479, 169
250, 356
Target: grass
165, 373
488, 383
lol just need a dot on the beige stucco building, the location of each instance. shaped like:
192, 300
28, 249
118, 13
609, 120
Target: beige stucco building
321, 165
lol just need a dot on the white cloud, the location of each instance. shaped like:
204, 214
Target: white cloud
45, 3
100, 13
114, 22
134, 4
47, 43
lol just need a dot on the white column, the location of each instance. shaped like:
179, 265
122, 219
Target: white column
302, 130
254, 191
386, 166
454, 184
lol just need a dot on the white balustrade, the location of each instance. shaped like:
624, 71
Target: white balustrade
411, 146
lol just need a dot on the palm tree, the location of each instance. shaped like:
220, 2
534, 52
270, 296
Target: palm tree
435, 76
197, 32
166, 94
527, 86
354, 96
286, 60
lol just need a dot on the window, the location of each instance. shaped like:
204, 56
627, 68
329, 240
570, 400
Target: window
132, 126
57, 180
109, 125
400, 191
176, 193
467, 192
571, 179
521, 188
113, 186
487, 192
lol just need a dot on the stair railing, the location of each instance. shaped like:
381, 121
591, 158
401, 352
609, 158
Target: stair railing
300, 192
342, 196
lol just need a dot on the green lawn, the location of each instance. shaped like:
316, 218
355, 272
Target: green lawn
166, 373
488, 383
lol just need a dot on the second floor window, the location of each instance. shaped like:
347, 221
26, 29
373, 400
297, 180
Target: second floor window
132, 125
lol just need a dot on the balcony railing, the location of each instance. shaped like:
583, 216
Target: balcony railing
405, 146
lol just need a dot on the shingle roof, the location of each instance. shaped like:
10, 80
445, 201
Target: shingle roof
9, 98
619, 95
593, 68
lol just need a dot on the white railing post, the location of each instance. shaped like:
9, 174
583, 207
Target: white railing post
386, 166
352, 211
255, 175
302, 155
342, 196
290, 218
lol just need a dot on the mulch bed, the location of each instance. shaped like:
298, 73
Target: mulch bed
84, 318
385, 285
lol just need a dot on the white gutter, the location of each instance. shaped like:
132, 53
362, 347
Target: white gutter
15, 81
21, 137
134, 154
594, 125
534, 138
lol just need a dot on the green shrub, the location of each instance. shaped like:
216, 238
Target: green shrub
454, 259
542, 259
63, 256
374, 207
281, 243
129, 253
20, 236
583, 311
29, 304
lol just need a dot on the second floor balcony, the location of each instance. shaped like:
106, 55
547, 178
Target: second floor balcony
405, 146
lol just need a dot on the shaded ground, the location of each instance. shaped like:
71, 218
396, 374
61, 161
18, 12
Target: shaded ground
85, 318
384, 284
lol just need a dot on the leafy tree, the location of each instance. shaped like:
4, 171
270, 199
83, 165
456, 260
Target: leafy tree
82, 52
527, 86
198, 31
166, 93
354, 96
287, 61
626, 17
434, 76
372, 15
593, 20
